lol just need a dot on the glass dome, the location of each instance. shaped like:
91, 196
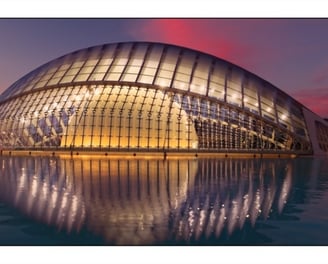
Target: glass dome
155, 96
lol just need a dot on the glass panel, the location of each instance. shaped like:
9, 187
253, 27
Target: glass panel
59, 74
234, 85
170, 59
148, 71
200, 75
251, 95
50, 71
267, 95
163, 82
217, 81
165, 74
117, 68
216, 90
113, 76
153, 59
198, 85
129, 77
182, 77
132, 69
182, 85
106, 60
99, 73
187, 62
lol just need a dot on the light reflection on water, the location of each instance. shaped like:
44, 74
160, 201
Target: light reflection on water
158, 202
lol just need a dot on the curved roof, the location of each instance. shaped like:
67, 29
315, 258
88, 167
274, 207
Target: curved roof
147, 63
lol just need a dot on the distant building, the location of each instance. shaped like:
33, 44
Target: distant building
144, 96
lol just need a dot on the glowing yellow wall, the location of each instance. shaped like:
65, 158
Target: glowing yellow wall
130, 117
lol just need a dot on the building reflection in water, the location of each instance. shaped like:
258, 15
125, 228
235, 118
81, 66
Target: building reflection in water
146, 201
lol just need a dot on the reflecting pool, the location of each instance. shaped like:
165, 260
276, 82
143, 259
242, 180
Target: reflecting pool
105, 201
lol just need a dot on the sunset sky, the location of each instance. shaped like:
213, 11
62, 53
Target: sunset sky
289, 53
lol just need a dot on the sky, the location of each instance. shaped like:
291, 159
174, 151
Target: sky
292, 54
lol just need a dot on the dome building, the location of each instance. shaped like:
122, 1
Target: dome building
142, 96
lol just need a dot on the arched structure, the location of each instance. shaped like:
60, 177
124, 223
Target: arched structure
152, 96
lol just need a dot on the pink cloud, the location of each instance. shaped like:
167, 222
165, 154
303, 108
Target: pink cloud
321, 75
240, 41
314, 95
316, 99
207, 35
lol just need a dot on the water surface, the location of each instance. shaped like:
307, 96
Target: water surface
92, 201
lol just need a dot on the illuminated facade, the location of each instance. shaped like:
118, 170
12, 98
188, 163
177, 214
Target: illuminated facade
144, 96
